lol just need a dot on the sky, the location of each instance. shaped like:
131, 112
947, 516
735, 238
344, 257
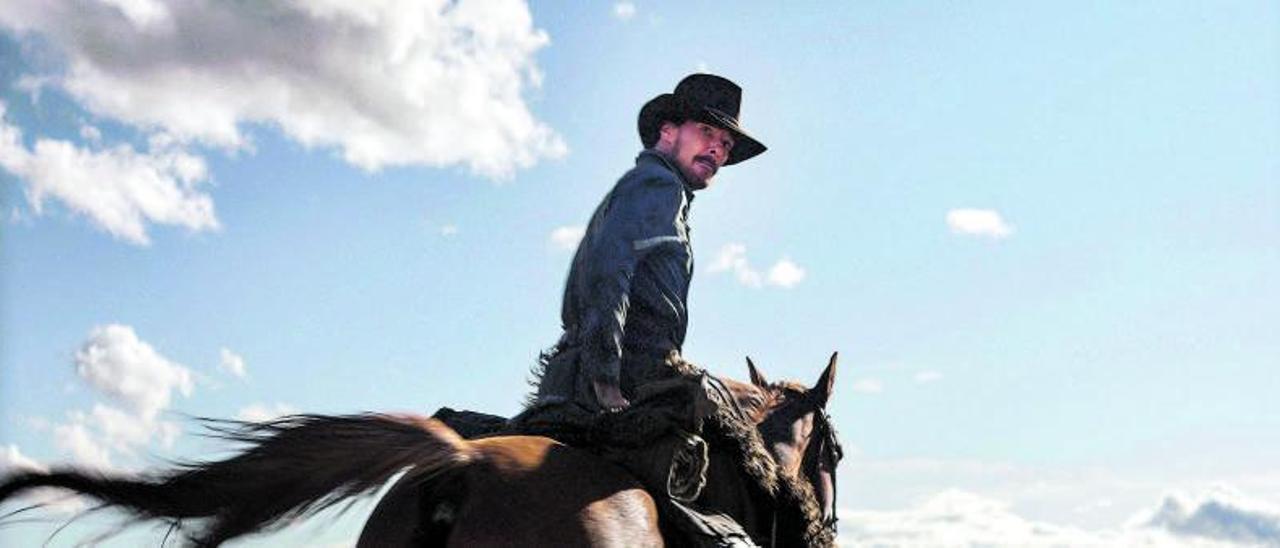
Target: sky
1043, 237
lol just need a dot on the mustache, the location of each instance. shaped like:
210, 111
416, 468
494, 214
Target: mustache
711, 162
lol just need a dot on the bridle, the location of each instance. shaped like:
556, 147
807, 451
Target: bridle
825, 449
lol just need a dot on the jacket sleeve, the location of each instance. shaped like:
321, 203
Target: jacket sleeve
642, 219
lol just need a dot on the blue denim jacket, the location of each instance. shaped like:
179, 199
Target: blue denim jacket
629, 281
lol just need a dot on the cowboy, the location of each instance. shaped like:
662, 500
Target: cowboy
624, 313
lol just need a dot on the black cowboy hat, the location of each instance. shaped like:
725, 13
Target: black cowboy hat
704, 97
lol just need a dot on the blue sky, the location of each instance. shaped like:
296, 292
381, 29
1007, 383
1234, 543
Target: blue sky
1043, 238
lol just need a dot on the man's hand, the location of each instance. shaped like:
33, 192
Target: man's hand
609, 396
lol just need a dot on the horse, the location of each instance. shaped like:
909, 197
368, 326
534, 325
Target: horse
793, 425
504, 490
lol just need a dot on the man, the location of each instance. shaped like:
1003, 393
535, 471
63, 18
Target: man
624, 309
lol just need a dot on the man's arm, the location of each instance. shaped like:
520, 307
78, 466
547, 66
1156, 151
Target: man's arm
642, 219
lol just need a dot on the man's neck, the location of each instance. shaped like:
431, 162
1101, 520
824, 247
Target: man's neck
671, 164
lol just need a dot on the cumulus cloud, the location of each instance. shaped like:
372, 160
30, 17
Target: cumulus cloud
232, 363
567, 237
785, 273
624, 10
260, 412
978, 222
117, 363
119, 189
434, 83
732, 257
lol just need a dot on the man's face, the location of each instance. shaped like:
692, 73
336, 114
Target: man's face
699, 149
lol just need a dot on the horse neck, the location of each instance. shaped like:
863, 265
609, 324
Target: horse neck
729, 492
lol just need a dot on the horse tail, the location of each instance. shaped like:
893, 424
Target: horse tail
292, 467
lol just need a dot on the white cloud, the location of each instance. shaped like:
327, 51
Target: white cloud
953, 518
868, 386
12, 460
260, 412
117, 363
785, 273
927, 376
449, 230
119, 189
978, 222
624, 10
74, 437
232, 363
960, 518
433, 83
120, 430
732, 257
567, 237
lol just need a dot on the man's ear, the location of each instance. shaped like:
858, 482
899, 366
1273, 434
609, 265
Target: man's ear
667, 132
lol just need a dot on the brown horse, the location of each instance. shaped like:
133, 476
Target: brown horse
477, 506
523, 490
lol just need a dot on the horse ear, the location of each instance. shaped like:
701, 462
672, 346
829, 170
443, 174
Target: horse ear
827, 382
756, 378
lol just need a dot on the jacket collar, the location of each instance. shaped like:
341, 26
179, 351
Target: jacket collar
656, 156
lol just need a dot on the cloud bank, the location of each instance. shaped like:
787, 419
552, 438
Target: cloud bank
387, 83
381, 83
1220, 518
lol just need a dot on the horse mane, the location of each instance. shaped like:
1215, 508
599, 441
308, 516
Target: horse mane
293, 467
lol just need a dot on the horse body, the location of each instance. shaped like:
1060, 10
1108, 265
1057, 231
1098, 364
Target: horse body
529, 488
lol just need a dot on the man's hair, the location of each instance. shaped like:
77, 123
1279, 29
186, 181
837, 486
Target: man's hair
652, 138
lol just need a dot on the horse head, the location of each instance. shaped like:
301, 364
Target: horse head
796, 428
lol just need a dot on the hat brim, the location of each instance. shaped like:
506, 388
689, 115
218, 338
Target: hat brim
669, 106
